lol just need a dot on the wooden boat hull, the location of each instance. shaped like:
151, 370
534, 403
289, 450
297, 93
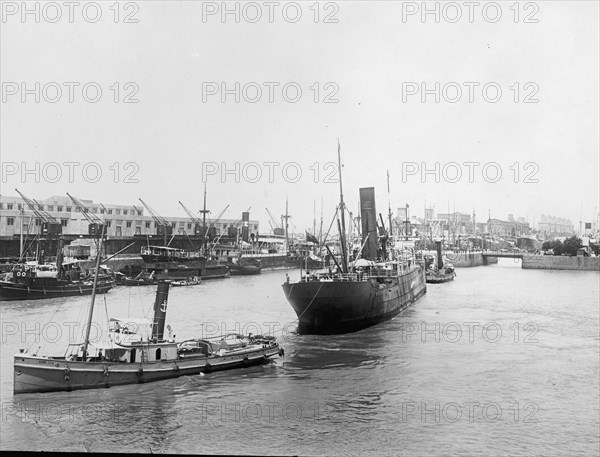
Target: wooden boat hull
137, 282
348, 306
243, 271
17, 291
439, 278
274, 261
34, 374
214, 272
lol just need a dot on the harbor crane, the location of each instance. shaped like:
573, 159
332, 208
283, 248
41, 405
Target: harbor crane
163, 227
49, 224
277, 230
195, 219
200, 223
96, 227
232, 226
49, 227
137, 210
212, 223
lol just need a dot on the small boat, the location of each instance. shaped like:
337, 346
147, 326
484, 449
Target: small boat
433, 273
245, 266
136, 351
142, 279
438, 277
120, 278
192, 281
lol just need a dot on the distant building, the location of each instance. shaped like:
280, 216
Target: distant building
120, 220
510, 228
555, 226
455, 223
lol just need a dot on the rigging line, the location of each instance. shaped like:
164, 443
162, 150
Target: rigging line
306, 309
48, 321
337, 208
283, 306
26, 249
107, 322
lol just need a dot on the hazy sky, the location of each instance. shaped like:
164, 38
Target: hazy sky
370, 65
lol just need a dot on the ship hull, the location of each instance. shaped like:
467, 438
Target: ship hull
33, 374
214, 272
157, 258
440, 278
244, 271
275, 261
174, 271
17, 291
346, 306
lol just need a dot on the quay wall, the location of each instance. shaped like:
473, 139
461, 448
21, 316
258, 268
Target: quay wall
469, 259
550, 262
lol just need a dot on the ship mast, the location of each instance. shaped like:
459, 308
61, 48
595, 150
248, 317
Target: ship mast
204, 228
389, 204
21, 234
285, 217
342, 210
91, 314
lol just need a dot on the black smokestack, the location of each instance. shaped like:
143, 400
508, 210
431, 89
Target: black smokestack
440, 262
160, 311
245, 226
368, 217
59, 257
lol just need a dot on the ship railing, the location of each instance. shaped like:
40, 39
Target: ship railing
348, 277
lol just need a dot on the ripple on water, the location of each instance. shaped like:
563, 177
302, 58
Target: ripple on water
344, 394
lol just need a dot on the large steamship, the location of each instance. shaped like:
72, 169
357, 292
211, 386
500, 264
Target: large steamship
374, 287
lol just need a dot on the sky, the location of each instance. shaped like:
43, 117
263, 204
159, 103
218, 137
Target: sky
401, 92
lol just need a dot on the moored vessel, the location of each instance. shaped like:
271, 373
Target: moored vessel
35, 281
245, 266
438, 270
137, 352
360, 293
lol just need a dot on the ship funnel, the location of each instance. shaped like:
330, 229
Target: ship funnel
160, 311
440, 261
59, 257
245, 226
368, 218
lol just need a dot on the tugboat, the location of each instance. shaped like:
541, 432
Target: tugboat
433, 273
245, 266
370, 290
34, 280
133, 356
